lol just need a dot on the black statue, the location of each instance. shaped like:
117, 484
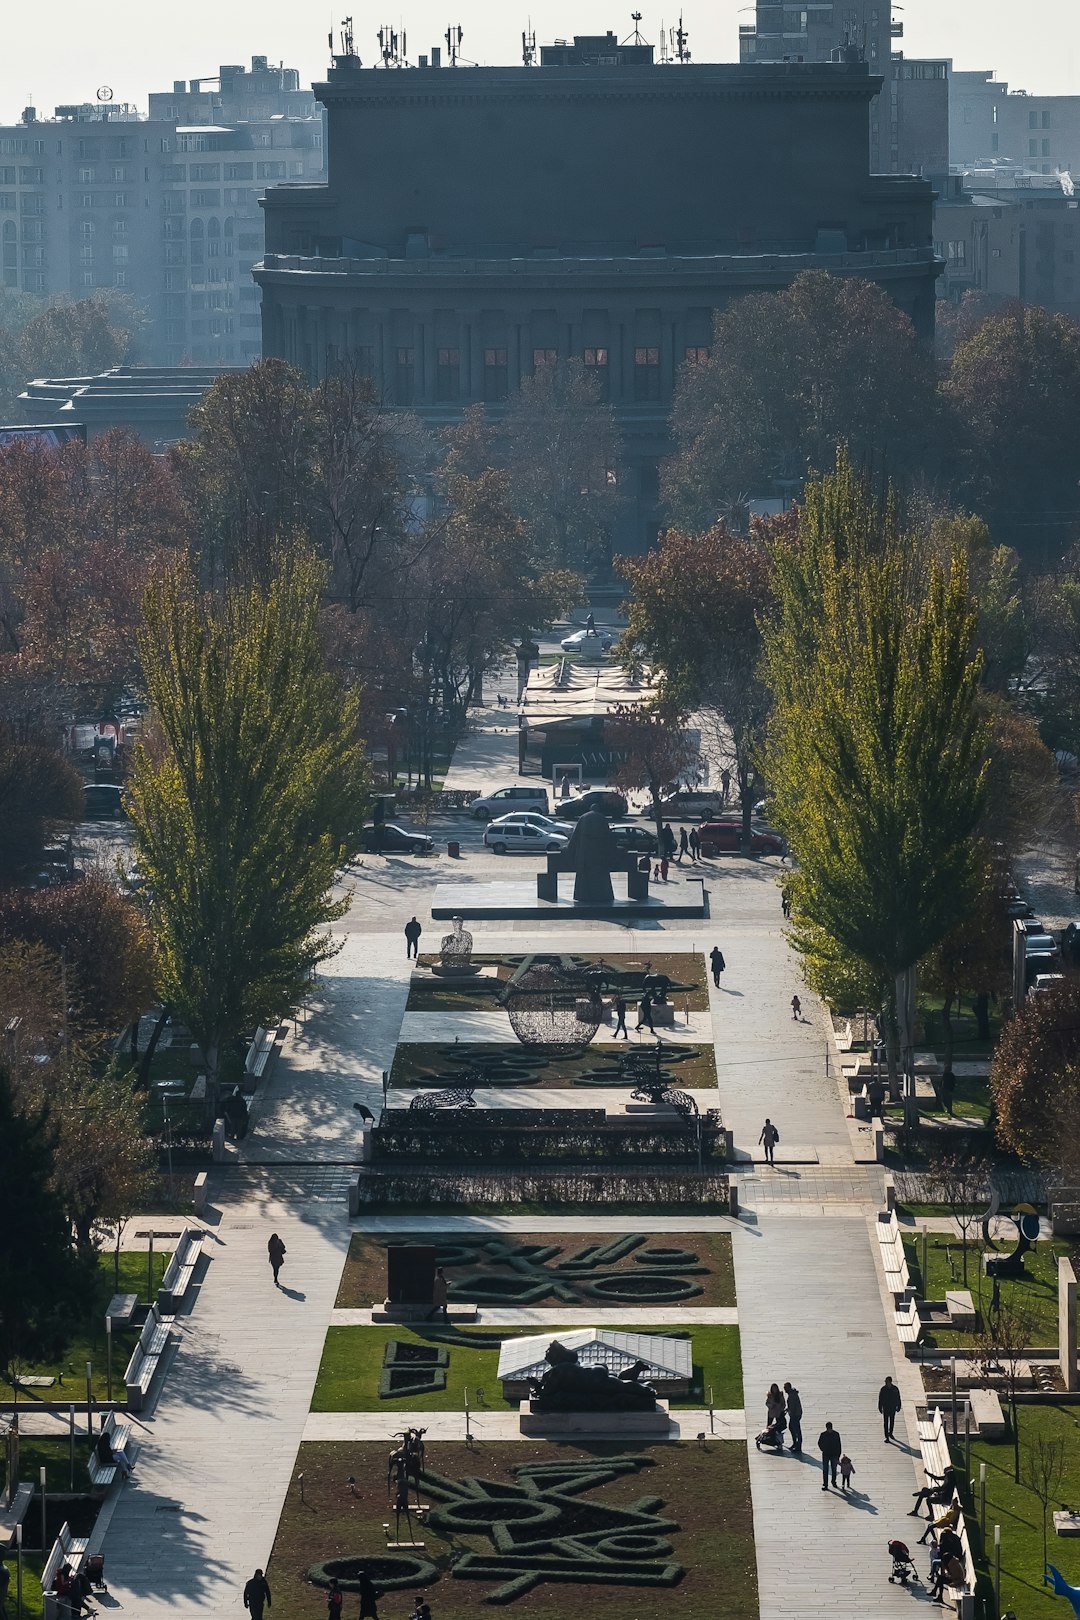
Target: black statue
659, 984
569, 1387
593, 855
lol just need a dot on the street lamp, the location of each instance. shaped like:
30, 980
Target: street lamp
166, 1097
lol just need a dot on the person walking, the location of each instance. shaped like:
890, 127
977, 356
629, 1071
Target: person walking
619, 1005
668, 845
335, 1599
768, 1140
725, 784
257, 1595
664, 862
695, 844
684, 845
413, 930
369, 1601
439, 1295
644, 1016
794, 1416
847, 1468
717, 963
785, 903
796, 1009
277, 1251
832, 1449
889, 1403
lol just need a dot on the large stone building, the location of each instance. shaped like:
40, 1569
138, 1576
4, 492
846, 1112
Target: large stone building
166, 209
478, 223
1011, 236
989, 123
909, 119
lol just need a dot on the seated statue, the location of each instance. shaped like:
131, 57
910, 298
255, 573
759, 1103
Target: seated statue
567, 1386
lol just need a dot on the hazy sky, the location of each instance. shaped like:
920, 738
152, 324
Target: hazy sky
62, 52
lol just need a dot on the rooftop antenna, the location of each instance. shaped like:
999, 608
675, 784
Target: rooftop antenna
665, 55
682, 49
348, 39
391, 48
635, 18
528, 46
453, 38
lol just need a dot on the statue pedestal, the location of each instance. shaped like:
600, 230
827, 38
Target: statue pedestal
386, 1312
593, 1425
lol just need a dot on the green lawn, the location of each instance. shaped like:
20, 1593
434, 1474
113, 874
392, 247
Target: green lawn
31, 1588
352, 1361
54, 1456
87, 1341
967, 1042
1018, 1511
1037, 1293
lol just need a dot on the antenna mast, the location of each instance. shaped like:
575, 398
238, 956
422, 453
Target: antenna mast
682, 49
453, 38
528, 46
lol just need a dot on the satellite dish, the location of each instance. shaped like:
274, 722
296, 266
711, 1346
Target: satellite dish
104, 92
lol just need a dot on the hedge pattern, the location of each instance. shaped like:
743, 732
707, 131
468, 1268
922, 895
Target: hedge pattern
412, 1369
578, 1186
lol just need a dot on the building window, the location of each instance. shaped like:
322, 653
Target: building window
696, 354
120, 200
1033, 148
86, 200
120, 278
1046, 148
544, 357
596, 367
86, 251
404, 376
958, 252
647, 373
86, 177
495, 374
88, 278
239, 171
448, 374
1033, 120
1046, 120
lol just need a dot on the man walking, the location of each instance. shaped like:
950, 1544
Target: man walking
794, 1415
644, 1016
695, 844
620, 1018
276, 1250
768, 1140
257, 1595
413, 931
684, 845
888, 1404
717, 963
365, 1586
831, 1447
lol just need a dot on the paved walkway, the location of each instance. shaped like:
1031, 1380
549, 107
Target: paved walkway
686, 1424
521, 1317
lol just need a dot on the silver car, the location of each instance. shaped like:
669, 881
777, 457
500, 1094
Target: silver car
534, 819
522, 838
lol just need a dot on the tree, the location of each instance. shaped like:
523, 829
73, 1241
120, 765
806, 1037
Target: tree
999, 1353
960, 1181
652, 749
696, 610
561, 449
876, 752
250, 803
1044, 1470
791, 376
41, 1281
1014, 391
105, 1164
38, 789
1035, 1077
77, 339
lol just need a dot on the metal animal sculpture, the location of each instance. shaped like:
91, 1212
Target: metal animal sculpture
1063, 1589
453, 1097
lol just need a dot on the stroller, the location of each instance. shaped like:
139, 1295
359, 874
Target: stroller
772, 1438
903, 1565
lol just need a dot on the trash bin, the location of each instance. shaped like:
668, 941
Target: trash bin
733, 1199
453, 848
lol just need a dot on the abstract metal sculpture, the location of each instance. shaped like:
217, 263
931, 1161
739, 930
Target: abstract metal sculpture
455, 953
544, 1001
1063, 1589
1026, 1221
427, 1102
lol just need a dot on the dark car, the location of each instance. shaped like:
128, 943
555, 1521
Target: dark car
605, 799
633, 838
725, 838
392, 839
102, 801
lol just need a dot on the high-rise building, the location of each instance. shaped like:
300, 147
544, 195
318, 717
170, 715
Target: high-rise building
990, 124
909, 118
165, 208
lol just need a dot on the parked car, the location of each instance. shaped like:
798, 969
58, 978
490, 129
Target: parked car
102, 801
509, 798
605, 799
522, 838
1043, 983
631, 837
392, 839
725, 838
586, 640
534, 819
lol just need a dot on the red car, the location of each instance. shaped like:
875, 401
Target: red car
724, 838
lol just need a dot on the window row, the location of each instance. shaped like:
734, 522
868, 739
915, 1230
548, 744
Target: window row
495, 371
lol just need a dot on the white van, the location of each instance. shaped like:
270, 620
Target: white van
503, 800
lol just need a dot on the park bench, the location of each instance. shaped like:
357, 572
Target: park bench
908, 1321
934, 1446
66, 1549
259, 1052
144, 1361
15, 1512
986, 1413
103, 1474
180, 1270
202, 1183
121, 1309
893, 1258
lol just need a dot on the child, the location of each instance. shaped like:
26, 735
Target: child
664, 869
847, 1468
796, 1009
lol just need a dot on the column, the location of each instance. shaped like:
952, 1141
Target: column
1067, 1322
425, 381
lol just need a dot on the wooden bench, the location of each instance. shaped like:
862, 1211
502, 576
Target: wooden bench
103, 1474
893, 1257
15, 1512
259, 1052
934, 1445
144, 1361
180, 1270
908, 1321
66, 1549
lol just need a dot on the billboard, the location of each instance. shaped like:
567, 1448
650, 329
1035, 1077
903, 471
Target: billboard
52, 434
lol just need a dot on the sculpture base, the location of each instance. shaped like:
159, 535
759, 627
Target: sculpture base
422, 1313
593, 1425
463, 970
517, 898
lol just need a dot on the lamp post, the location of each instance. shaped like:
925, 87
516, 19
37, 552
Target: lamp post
108, 1359
18, 1573
89, 1397
41, 1480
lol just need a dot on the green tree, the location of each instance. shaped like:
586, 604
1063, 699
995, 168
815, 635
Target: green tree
38, 790
77, 339
652, 749
105, 1163
876, 752
250, 802
41, 1281
791, 376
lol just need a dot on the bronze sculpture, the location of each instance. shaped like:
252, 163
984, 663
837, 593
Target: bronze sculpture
569, 1387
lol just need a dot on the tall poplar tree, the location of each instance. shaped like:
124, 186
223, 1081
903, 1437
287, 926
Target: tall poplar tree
876, 752
248, 799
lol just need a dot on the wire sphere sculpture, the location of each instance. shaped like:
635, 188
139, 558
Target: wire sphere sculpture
550, 1006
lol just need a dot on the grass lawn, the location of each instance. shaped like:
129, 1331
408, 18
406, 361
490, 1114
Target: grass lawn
967, 1042
503, 1063
352, 1361
1018, 1511
32, 1607
682, 967
55, 1458
497, 1261
1038, 1293
87, 1342
707, 1532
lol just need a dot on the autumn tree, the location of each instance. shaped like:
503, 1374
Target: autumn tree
876, 752
1035, 1078
791, 376
1044, 1474
250, 803
651, 750
106, 1165
38, 790
1000, 1354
